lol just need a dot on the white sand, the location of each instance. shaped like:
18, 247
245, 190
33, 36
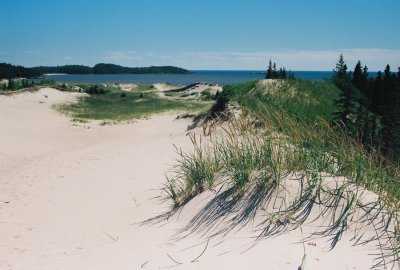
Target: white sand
71, 198
203, 86
165, 86
127, 87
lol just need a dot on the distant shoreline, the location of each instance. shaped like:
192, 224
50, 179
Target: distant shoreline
221, 77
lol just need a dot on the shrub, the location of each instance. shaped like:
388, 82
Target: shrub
95, 90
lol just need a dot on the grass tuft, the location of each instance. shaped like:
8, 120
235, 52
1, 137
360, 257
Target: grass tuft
291, 165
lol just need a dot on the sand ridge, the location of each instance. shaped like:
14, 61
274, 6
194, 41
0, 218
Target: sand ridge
75, 198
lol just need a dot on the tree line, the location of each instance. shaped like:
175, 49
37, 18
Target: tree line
116, 69
369, 107
68, 69
103, 68
274, 73
8, 71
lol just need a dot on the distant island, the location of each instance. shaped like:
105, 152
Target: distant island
9, 71
103, 68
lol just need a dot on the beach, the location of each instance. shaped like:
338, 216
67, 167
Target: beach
85, 196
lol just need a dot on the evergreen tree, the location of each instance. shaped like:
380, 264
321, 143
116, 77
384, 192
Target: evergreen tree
377, 95
390, 114
365, 84
274, 72
340, 70
269, 74
344, 102
358, 76
282, 73
398, 75
387, 73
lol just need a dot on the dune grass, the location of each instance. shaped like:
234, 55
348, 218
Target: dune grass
282, 136
304, 100
118, 105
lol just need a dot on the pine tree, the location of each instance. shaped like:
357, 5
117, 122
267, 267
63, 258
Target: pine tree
358, 76
398, 75
365, 84
269, 70
390, 115
341, 69
273, 73
344, 103
387, 73
377, 95
282, 73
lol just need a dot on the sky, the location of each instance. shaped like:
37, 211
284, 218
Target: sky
201, 34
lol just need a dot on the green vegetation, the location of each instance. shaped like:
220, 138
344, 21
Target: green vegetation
273, 73
68, 69
369, 108
108, 69
301, 99
8, 71
15, 85
286, 158
116, 69
111, 104
207, 95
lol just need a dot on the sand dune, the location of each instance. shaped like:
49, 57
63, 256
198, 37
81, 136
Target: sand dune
75, 198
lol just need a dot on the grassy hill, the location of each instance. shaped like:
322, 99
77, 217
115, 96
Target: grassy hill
272, 150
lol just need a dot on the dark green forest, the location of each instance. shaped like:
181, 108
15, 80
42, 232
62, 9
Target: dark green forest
116, 69
369, 107
68, 69
110, 69
8, 71
274, 73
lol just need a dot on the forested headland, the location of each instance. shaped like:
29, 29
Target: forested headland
103, 68
9, 71
116, 69
67, 69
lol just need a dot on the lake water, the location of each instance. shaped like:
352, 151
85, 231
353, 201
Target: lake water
222, 77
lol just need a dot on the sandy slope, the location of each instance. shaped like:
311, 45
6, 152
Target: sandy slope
73, 198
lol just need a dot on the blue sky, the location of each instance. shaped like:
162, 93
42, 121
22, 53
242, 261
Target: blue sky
201, 34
